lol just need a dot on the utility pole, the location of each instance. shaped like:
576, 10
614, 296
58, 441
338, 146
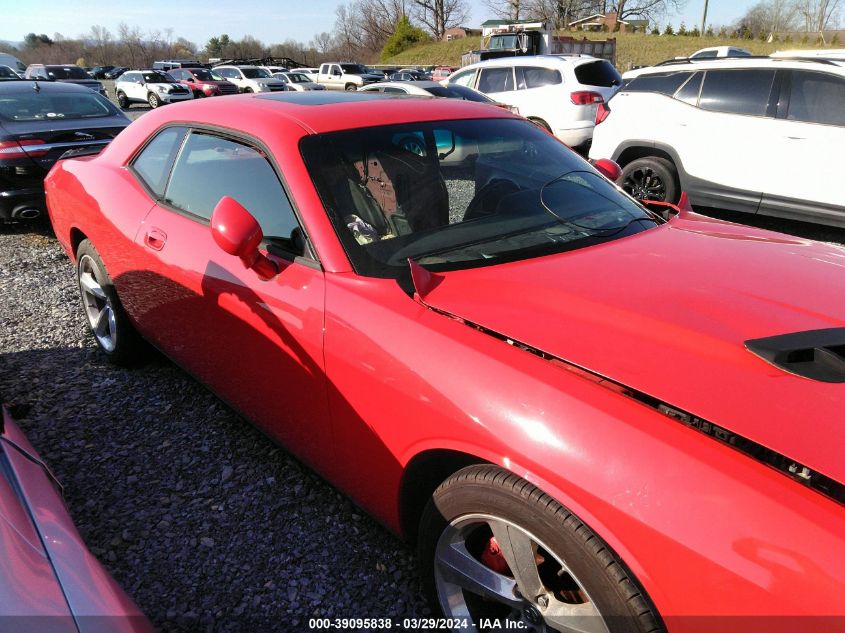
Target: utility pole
704, 20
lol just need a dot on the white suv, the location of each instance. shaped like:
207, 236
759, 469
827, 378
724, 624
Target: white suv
756, 135
250, 78
149, 86
557, 92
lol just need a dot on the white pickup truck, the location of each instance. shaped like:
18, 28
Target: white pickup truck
345, 76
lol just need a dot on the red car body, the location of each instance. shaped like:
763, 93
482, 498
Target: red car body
200, 87
556, 379
48, 578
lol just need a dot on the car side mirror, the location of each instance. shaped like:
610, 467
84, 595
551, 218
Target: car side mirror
238, 233
608, 168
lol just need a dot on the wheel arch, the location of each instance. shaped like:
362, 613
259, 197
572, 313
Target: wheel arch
632, 150
76, 237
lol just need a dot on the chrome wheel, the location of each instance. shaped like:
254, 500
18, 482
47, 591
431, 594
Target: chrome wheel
488, 569
644, 184
98, 305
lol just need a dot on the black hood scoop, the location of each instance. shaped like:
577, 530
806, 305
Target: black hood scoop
815, 354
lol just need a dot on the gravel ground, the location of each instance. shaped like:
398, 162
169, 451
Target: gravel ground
205, 522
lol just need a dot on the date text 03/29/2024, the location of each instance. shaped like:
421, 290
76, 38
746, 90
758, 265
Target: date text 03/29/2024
412, 624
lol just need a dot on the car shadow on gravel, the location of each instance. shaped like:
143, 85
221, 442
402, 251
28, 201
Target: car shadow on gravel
208, 524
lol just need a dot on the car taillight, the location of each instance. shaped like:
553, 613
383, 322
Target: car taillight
19, 149
586, 97
602, 113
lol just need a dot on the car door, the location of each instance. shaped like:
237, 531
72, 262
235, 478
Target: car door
257, 344
497, 82
810, 131
135, 88
720, 143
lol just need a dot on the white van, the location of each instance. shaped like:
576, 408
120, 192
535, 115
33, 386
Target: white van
12, 62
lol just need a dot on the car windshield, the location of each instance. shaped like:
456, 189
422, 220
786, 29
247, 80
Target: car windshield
256, 73
67, 72
354, 69
7, 73
504, 41
36, 106
203, 74
297, 78
461, 194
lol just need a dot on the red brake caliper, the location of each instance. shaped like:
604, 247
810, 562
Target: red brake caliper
492, 557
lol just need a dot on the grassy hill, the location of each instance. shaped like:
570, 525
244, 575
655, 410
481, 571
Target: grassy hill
633, 49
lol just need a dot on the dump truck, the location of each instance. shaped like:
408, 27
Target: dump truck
536, 38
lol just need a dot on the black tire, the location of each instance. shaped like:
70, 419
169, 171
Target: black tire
126, 346
199, 94
651, 178
350, 87
594, 580
122, 101
153, 100
247, 90
541, 124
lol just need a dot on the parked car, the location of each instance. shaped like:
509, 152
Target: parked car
583, 414
115, 73
149, 87
434, 89
169, 64
99, 72
345, 76
408, 75
37, 126
68, 73
12, 62
442, 72
250, 78
299, 82
7, 73
755, 135
203, 82
559, 93
49, 580
720, 51
311, 72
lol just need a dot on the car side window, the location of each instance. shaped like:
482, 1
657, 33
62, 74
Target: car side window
665, 83
737, 91
465, 78
395, 90
690, 90
153, 164
210, 167
817, 98
705, 55
495, 80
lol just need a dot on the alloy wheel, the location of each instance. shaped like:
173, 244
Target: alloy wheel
98, 305
488, 569
644, 184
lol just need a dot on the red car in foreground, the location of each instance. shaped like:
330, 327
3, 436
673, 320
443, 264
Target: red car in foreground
49, 581
587, 417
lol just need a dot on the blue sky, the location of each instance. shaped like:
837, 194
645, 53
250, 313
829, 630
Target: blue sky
268, 20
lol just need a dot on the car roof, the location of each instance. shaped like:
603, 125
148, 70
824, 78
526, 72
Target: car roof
549, 61
327, 111
734, 63
29, 85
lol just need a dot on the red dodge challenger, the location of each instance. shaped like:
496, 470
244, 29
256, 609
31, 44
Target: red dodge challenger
588, 417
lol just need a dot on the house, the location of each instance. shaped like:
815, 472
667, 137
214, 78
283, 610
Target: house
608, 22
459, 32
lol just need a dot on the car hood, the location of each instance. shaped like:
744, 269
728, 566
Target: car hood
88, 83
667, 312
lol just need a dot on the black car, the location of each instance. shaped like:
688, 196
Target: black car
409, 75
68, 73
114, 73
40, 121
99, 72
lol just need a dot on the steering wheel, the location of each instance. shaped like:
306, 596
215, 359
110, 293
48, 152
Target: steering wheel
413, 144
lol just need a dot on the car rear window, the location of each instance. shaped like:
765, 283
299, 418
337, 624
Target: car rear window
67, 72
661, 83
37, 106
598, 73
737, 91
